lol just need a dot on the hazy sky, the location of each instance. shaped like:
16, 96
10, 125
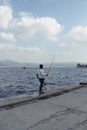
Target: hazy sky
36, 30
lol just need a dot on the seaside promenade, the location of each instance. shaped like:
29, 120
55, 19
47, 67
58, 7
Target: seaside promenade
62, 109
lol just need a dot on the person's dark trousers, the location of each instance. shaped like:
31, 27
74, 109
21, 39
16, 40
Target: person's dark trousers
41, 85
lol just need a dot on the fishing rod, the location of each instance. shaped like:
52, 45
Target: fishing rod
49, 70
51, 64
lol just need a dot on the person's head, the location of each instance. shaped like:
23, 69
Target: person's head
41, 66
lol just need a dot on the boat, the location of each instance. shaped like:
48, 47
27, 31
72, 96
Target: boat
81, 65
27, 67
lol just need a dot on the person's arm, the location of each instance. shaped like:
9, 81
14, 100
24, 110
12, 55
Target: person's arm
44, 73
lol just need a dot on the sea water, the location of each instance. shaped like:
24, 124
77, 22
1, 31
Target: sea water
16, 80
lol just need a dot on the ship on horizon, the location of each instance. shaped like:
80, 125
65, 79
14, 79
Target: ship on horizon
81, 65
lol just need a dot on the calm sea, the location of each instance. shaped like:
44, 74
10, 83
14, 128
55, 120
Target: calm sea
16, 81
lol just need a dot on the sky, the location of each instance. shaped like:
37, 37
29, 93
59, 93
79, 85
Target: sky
38, 30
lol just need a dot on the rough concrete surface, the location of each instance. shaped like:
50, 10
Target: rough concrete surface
64, 112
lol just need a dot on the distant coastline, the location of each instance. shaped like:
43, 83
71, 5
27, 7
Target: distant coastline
10, 63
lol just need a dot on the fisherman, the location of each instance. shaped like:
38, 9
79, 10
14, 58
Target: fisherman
41, 76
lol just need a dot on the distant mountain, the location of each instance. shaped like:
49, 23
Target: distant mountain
9, 63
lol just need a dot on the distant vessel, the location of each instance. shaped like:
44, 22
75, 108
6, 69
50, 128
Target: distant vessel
27, 67
81, 65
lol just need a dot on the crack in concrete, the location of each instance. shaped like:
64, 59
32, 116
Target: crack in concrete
78, 112
43, 121
78, 125
58, 114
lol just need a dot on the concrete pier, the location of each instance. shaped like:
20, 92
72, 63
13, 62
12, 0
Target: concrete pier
61, 109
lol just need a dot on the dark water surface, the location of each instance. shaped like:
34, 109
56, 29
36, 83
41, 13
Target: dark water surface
16, 81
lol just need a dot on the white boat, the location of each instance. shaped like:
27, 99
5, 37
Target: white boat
27, 67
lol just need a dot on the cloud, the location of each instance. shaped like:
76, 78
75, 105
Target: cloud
63, 44
14, 47
79, 33
21, 53
29, 26
7, 36
5, 16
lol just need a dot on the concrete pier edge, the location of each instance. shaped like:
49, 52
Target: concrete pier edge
11, 102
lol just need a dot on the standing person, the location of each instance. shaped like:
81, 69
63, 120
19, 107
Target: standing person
41, 76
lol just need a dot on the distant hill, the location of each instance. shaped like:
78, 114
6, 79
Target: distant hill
9, 63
